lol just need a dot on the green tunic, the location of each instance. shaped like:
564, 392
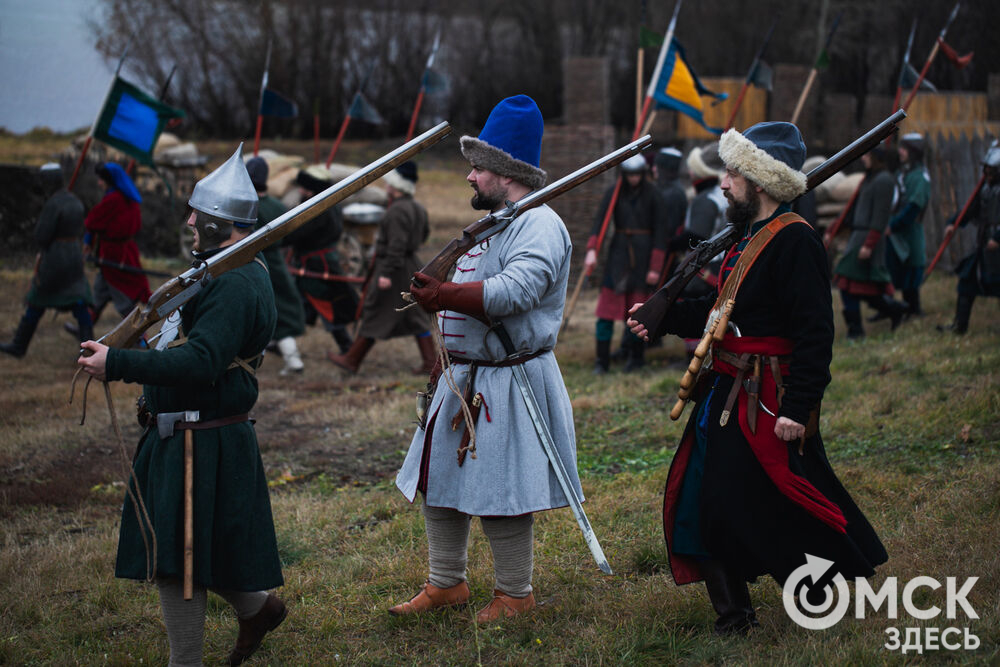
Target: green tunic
907, 239
234, 541
291, 315
870, 215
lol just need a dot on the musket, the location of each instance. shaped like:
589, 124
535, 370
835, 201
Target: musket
652, 312
324, 275
496, 222
177, 291
138, 270
493, 224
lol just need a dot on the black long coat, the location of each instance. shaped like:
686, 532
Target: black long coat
743, 518
639, 227
59, 281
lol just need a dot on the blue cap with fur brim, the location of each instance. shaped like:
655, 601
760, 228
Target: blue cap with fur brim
510, 143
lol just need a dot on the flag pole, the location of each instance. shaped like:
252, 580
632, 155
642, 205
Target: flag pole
815, 69
260, 100
340, 134
906, 60
750, 74
931, 57
316, 130
93, 127
347, 118
163, 93
423, 87
635, 135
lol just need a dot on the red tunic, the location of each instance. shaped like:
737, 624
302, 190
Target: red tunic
114, 222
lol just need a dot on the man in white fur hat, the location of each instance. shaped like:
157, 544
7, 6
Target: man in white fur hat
750, 490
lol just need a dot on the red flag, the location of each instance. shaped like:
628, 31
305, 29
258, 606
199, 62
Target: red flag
952, 55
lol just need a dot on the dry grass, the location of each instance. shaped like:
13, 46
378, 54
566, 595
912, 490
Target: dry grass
910, 423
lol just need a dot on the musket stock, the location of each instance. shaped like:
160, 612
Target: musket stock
652, 312
496, 222
178, 290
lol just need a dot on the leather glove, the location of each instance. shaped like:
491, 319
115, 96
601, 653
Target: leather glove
434, 295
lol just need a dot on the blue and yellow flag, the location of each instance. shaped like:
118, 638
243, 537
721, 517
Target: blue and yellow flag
131, 120
678, 87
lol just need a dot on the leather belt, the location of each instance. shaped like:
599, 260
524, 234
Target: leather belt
211, 423
747, 363
509, 361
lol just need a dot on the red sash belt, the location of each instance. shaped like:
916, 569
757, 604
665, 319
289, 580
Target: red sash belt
771, 451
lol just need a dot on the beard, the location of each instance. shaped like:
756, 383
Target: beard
488, 201
743, 212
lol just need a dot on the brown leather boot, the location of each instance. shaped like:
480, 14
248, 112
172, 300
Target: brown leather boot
432, 597
252, 630
504, 606
352, 360
428, 355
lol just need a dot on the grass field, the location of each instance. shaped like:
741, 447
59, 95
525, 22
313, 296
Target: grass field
911, 422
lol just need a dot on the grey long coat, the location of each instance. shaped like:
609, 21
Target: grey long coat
524, 270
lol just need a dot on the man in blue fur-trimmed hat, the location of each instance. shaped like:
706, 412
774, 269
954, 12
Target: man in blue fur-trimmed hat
750, 490
518, 277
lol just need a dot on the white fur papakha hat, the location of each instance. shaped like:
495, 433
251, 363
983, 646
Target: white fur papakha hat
769, 154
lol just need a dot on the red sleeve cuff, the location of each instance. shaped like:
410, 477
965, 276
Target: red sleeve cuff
872, 239
592, 242
657, 259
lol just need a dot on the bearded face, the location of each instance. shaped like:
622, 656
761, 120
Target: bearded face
490, 189
744, 206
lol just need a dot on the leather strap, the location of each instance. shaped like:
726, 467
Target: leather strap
502, 363
212, 423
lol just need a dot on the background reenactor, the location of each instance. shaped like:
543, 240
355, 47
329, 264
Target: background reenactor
906, 253
402, 231
59, 281
979, 272
314, 248
291, 317
636, 256
861, 274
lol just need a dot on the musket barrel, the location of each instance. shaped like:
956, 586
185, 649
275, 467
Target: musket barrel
651, 313
179, 289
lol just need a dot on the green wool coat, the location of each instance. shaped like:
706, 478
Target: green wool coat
234, 541
908, 238
291, 315
870, 215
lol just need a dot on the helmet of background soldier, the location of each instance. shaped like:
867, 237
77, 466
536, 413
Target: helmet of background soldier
913, 142
992, 157
634, 165
51, 176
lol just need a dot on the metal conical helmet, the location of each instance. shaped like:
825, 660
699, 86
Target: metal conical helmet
227, 192
992, 157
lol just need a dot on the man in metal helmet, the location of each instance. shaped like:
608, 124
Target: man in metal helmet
636, 255
205, 382
906, 253
979, 272
59, 281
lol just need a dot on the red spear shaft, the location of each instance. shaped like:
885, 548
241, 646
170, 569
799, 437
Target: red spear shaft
950, 229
